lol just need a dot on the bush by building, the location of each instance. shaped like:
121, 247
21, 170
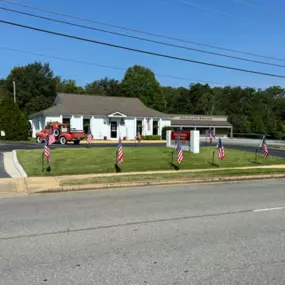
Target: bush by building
12, 121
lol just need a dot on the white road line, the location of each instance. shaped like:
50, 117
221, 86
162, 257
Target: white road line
269, 209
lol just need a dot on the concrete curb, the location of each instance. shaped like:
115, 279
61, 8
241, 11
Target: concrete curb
114, 186
18, 165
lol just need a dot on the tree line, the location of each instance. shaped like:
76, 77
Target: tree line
249, 110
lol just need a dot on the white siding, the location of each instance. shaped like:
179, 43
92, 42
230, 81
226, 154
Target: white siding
163, 123
130, 128
76, 122
100, 127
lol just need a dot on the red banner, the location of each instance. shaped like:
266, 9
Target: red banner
184, 135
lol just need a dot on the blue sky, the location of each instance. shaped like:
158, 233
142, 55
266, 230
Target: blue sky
255, 26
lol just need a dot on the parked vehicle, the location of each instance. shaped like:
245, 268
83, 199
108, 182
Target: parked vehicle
63, 134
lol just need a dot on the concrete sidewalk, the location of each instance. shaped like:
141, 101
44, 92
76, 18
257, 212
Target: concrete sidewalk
33, 185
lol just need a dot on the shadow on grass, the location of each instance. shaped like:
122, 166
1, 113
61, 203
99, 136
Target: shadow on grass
254, 162
117, 168
213, 164
174, 166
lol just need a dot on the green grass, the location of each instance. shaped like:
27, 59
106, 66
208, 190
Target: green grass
102, 160
184, 176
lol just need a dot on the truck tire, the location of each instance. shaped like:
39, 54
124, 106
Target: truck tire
63, 140
76, 142
56, 132
39, 140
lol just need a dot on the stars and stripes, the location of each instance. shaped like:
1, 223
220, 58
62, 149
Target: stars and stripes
89, 136
211, 135
264, 147
51, 136
47, 149
120, 153
139, 136
179, 151
148, 124
221, 152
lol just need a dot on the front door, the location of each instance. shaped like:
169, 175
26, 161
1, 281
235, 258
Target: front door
113, 130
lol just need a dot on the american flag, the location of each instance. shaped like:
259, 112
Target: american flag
221, 153
90, 136
51, 136
46, 149
210, 136
179, 151
139, 136
120, 157
148, 124
264, 147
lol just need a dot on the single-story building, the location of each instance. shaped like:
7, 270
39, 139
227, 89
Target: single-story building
108, 117
218, 124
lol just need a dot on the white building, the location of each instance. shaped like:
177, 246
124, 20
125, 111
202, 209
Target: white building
108, 117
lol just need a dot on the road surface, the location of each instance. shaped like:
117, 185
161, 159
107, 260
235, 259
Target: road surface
228, 233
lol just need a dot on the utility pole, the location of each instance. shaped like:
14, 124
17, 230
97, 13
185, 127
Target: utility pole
14, 91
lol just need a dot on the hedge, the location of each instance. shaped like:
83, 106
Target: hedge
151, 138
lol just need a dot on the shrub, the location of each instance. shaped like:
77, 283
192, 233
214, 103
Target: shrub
12, 121
151, 138
163, 132
248, 135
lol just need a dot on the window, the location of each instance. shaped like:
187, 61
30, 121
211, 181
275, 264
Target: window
139, 126
66, 121
155, 128
86, 124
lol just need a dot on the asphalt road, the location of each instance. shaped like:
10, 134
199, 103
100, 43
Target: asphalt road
204, 234
3, 173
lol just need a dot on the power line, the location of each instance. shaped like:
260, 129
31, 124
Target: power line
141, 51
140, 31
115, 67
140, 38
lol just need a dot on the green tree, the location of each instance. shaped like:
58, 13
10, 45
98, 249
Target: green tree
104, 86
35, 85
12, 121
140, 82
68, 86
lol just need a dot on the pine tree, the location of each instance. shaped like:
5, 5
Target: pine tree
12, 121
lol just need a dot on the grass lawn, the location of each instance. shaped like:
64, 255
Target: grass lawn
184, 176
102, 160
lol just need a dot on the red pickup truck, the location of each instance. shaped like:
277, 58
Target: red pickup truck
62, 133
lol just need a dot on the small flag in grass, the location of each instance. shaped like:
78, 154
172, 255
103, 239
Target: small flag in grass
90, 136
221, 152
120, 154
264, 147
51, 136
46, 149
179, 151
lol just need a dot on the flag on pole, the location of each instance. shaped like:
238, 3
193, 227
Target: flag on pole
179, 151
46, 149
90, 136
139, 136
120, 154
221, 152
210, 135
264, 147
148, 124
51, 136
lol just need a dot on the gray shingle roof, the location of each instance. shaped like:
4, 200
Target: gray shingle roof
196, 123
76, 104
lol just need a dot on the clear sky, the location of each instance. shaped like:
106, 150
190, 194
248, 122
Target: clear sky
255, 26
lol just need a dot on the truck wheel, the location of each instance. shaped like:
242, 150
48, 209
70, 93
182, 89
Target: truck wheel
62, 140
76, 142
56, 132
39, 140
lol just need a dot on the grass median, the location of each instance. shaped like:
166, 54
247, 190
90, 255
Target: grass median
102, 160
167, 177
